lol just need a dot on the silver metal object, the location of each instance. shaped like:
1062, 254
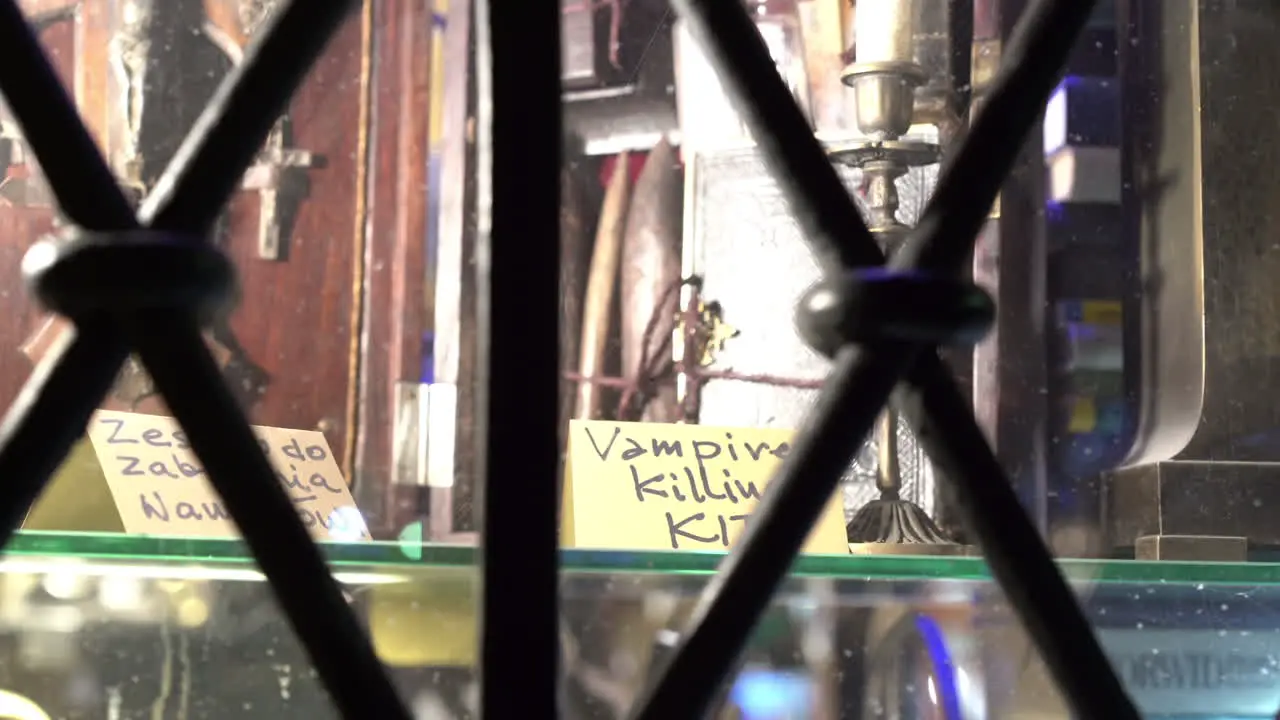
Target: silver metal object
1200, 480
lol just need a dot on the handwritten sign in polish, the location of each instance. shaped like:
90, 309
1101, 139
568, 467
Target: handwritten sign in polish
651, 486
157, 486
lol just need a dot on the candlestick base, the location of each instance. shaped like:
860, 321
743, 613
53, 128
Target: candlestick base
894, 521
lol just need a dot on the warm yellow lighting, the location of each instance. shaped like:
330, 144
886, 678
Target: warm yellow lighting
172, 587
192, 612
17, 707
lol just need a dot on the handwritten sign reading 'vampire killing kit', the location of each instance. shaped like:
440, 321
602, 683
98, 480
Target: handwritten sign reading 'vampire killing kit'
649, 486
137, 474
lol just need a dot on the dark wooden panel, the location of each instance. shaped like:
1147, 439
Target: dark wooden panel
336, 322
296, 315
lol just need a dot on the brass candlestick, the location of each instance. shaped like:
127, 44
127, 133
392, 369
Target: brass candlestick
884, 78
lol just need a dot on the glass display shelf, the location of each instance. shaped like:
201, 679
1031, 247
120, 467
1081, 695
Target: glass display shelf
401, 558
117, 626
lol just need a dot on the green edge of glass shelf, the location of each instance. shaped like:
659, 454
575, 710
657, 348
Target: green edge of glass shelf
406, 553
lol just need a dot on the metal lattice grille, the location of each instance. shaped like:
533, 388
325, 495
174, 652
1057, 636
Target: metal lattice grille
145, 283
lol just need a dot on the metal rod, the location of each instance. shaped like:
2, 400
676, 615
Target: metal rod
519, 154
888, 467
733, 602
54, 406
50, 413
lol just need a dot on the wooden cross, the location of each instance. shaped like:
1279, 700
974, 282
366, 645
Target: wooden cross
280, 178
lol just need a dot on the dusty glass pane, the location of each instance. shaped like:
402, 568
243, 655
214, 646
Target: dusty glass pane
1125, 385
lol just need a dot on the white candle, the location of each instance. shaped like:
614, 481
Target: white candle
883, 30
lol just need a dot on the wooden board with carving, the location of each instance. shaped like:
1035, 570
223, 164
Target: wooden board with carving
328, 230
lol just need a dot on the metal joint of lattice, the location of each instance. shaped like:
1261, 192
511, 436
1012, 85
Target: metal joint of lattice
146, 283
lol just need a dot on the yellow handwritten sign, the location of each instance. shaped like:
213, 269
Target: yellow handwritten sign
650, 486
137, 474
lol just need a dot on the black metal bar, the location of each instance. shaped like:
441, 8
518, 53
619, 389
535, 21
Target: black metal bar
731, 605
173, 351
518, 56
55, 406
50, 413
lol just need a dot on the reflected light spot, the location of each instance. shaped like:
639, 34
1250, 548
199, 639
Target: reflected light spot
66, 585
192, 612
768, 694
38, 258
18, 707
346, 524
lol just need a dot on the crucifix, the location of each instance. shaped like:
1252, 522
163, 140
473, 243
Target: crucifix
280, 174
280, 178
